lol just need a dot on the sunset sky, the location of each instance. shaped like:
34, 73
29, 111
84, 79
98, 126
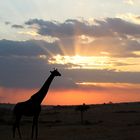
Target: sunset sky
95, 44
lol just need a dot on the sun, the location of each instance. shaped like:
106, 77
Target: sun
83, 62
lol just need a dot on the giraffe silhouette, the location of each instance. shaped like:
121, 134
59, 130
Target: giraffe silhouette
32, 107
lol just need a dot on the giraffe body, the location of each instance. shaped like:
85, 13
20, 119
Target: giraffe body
32, 107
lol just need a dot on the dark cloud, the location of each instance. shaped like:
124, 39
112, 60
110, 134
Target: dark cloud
31, 72
7, 22
113, 35
28, 48
138, 17
21, 67
21, 72
102, 76
17, 26
117, 47
28, 72
52, 28
123, 27
69, 28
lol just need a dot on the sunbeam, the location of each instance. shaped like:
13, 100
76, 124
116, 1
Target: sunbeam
83, 62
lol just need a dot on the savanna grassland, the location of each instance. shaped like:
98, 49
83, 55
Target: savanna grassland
100, 122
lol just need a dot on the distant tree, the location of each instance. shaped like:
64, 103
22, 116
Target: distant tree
82, 108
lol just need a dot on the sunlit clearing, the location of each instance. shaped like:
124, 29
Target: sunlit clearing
88, 62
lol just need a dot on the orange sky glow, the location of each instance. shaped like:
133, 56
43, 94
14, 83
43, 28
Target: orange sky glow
112, 93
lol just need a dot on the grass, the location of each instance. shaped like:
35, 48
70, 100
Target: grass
102, 122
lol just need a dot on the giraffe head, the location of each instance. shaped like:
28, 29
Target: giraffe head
55, 72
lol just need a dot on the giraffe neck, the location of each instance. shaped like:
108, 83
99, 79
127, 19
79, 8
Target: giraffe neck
40, 95
44, 89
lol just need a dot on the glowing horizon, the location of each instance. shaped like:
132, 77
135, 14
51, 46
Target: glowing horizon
89, 93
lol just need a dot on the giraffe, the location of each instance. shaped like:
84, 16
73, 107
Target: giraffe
32, 107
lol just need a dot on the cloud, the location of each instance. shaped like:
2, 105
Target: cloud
17, 26
138, 17
133, 18
112, 35
70, 27
103, 76
123, 27
130, 2
7, 22
115, 46
22, 72
53, 28
28, 73
24, 64
27, 48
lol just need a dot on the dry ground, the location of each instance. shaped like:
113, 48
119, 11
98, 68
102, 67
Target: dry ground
102, 122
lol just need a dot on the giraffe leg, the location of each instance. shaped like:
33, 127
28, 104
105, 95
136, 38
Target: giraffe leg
32, 135
36, 128
16, 125
19, 131
35, 125
14, 130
